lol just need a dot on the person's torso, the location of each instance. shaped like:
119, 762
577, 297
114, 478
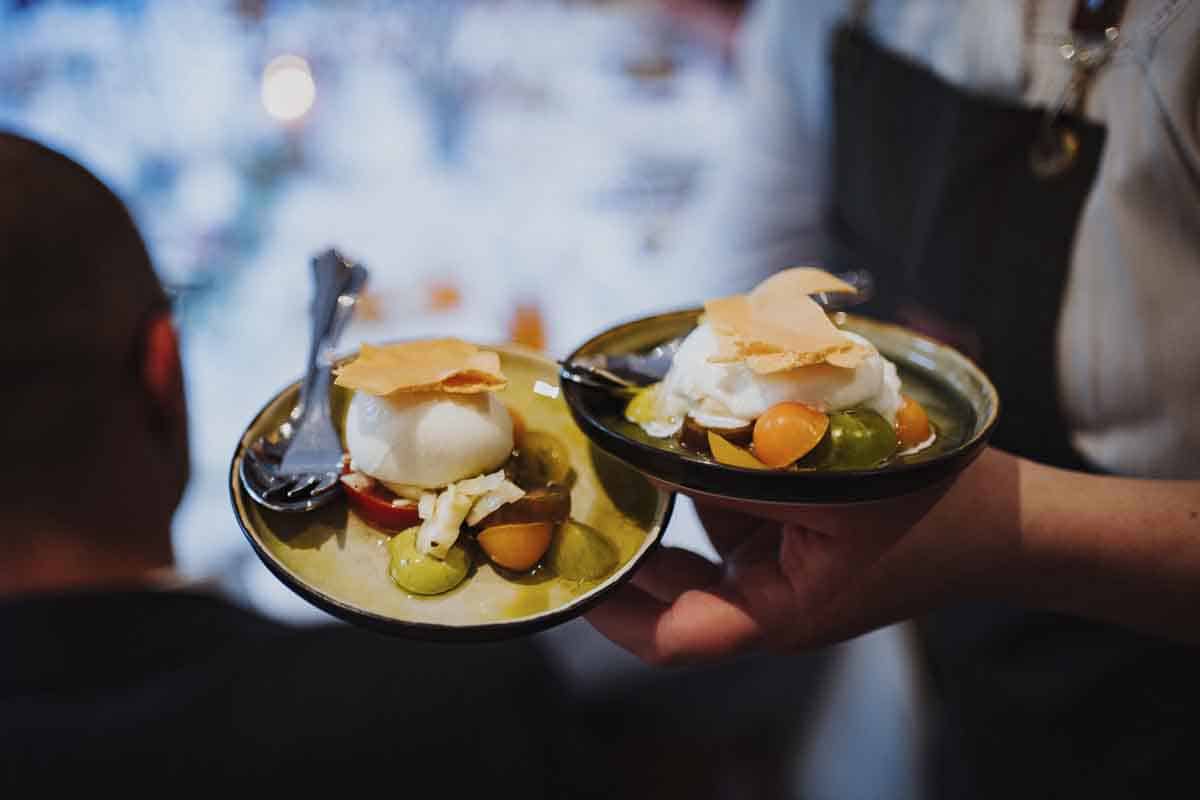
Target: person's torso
934, 190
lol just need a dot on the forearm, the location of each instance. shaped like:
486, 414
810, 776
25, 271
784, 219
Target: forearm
1123, 550
1120, 550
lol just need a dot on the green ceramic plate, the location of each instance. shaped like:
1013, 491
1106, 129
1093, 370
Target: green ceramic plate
960, 400
339, 563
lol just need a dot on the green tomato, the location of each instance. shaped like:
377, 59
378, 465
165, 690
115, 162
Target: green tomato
856, 439
579, 552
542, 460
419, 573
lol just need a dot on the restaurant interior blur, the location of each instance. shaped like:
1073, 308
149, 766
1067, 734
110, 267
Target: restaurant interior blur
509, 170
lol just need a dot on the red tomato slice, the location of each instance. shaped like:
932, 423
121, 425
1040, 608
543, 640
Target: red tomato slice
368, 501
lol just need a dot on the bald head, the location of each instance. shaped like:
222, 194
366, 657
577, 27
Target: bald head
77, 276
78, 293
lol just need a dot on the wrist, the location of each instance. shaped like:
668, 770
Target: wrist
975, 535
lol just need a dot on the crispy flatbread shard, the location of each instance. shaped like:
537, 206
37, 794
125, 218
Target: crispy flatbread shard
447, 365
799, 281
778, 326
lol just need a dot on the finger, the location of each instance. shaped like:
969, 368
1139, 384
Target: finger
698, 626
831, 518
728, 508
668, 572
816, 565
727, 526
836, 597
753, 574
627, 617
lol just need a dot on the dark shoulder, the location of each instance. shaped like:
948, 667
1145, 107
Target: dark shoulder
194, 687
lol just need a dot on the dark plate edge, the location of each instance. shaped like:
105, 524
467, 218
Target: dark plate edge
825, 488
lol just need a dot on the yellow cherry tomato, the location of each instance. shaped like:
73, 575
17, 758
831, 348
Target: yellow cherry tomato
912, 423
786, 432
643, 407
518, 546
725, 452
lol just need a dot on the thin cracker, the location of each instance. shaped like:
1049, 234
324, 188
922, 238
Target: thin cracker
798, 281
447, 365
778, 326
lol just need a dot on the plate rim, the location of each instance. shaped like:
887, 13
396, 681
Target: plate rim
965, 452
434, 631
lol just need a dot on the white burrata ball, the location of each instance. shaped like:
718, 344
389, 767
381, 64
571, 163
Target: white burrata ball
730, 395
428, 439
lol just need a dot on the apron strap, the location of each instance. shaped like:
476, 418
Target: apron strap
1095, 29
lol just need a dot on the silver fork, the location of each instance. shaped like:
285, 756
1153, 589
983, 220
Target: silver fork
296, 468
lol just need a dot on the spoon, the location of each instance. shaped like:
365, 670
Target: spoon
622, 374
296, 467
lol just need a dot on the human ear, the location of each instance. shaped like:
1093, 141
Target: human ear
161, 369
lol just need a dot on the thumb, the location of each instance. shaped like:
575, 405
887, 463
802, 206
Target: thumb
816, 564
826, 573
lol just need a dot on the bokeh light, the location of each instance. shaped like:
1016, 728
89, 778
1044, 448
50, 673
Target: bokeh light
288, 88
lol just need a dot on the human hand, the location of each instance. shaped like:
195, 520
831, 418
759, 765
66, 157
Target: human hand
799, 576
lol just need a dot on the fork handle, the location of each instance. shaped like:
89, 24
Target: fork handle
336, 284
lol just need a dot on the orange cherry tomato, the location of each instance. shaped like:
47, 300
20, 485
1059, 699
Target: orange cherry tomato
912, 423
786, 432
518, 546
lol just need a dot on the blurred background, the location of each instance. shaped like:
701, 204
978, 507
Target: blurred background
508, 170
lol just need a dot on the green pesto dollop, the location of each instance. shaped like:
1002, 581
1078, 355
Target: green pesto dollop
419, 573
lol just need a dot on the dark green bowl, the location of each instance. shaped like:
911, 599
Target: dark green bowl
339, 563
960, 399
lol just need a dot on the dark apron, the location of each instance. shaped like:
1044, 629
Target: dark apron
934, 193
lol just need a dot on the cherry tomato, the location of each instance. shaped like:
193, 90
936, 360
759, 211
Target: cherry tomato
541, 460
858, 439
786, 432
694, 436
518, 546
368, 500
579, 552
548, 504
912, 423
725, 452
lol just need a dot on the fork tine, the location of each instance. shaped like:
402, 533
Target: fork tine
325, 484
302, 482
269, 479
277, 487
